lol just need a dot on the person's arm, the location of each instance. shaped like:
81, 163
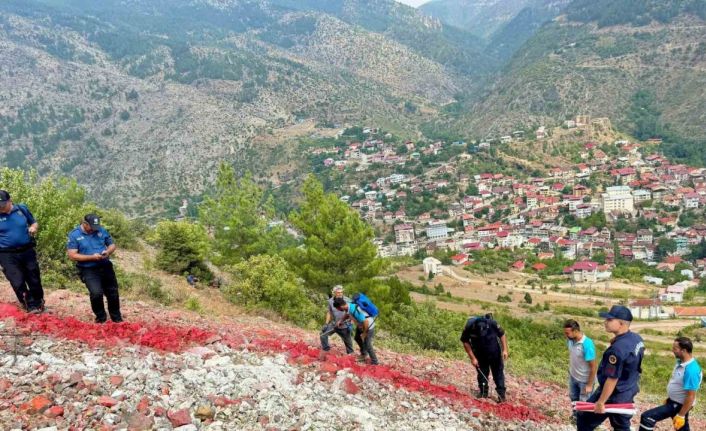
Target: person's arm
503, 342
608, 388
33, 228
111, 249
78, 257
592, 371
328, 316
109, 243
471, 355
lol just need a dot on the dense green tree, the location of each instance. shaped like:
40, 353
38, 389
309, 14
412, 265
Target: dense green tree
337, 246
182, 247
665, 246
238, 217
698, 251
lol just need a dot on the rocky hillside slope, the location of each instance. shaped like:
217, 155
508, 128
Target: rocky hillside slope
175, 370
592, 63
143, 99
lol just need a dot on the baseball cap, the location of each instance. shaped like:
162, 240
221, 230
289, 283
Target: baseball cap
4, 196
93, 220
617, 312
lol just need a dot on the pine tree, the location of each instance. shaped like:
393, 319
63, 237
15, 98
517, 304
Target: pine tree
337, 247
238, 218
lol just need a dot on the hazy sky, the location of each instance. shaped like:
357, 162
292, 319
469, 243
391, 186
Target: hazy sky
414, 3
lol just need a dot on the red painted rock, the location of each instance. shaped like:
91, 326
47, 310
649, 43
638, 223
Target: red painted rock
54, 379
329, 367
143, 405
75, 378
54, 412
159, 411
350, 387
5, 384
139, 422
263, 421
39, 404
179, 417
165, 390
107, 401
116, 380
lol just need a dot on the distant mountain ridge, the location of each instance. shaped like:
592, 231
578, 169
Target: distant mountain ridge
143, 98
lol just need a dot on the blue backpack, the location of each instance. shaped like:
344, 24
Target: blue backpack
365, 304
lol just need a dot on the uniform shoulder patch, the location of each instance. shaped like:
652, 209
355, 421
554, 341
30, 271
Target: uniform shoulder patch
613, 359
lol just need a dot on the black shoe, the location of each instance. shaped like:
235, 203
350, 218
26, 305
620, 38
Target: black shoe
118, 320
35, 310
501, 398
97, 320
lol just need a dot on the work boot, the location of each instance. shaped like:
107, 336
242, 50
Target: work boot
501, 398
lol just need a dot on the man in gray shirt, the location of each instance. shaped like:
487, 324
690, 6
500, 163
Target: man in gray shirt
338, 322
582, 362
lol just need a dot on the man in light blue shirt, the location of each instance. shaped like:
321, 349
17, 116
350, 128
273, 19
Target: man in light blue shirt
582, 362
681, 390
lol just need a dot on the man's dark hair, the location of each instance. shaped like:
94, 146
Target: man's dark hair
339, 302
685, 344
572, 324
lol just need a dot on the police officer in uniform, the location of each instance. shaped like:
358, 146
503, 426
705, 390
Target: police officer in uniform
90, 246
618, 373
17, 256
486, 346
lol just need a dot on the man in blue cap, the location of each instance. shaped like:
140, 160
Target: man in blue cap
17, 256
618, 373
90, 246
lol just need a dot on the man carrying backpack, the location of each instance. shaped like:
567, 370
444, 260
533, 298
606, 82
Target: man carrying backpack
363, 312
486, 346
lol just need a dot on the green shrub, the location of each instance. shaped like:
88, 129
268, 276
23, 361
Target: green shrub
504, 298
266, 281
181, 248
427, 326
193, 304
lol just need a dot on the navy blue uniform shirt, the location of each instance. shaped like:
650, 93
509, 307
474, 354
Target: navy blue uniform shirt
89, 243
483, 335
623, 361
14, 227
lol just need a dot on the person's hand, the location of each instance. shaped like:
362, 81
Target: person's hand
588, 389
474, 361
678, 422
98, 256
32, 230
105, 254
599, 408
505, 355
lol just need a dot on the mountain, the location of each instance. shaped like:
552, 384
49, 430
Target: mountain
484, 18
642, 64
139, 99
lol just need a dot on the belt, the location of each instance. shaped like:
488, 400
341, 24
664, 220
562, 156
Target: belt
17, 249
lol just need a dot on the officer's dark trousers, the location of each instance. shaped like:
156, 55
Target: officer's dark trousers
649, 419
589, 421
100, 280
22, 271
487, 364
